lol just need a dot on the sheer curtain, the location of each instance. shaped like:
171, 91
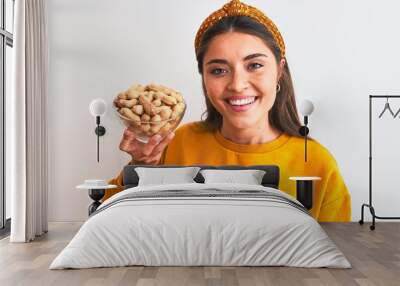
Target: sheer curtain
27, 123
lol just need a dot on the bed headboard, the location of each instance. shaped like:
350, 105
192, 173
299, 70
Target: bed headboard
270, 179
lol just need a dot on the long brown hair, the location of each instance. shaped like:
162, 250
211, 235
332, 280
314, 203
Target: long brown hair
283, 114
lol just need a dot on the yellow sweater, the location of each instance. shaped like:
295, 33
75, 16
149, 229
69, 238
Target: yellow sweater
194, 145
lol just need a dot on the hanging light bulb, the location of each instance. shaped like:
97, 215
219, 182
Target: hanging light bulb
97, 109
306, 108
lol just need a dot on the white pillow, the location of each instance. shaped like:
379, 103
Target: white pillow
163, 176
249, 177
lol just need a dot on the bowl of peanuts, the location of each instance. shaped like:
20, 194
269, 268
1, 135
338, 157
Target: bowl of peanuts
149, 110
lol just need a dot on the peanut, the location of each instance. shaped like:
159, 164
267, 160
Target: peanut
138, 87
158, 95
157, 102
132, 94
165, 113
155, 128
147, 106
138, 109
166, 127
174, 115
153, 87
156, 118
169, 100
127, 102
179, 107
145, 127
145, 118
122, 95
177, 96
116, 103
149, 95
130, 115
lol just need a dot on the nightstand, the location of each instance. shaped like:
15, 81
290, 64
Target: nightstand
96, 189
304, 190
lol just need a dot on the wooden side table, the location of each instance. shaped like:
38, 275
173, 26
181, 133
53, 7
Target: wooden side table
304, 190
96, 189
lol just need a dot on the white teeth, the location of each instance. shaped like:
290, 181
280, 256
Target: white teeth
242, 101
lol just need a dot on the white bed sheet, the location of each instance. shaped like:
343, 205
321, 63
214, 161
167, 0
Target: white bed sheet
200, 231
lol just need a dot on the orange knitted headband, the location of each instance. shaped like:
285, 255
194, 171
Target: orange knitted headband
236, 8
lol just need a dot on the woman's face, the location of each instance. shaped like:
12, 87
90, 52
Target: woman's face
240, 75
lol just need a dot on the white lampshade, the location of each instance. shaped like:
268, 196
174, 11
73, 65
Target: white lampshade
306, 107
97, 107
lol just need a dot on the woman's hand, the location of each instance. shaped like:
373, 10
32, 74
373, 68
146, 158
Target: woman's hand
147, 153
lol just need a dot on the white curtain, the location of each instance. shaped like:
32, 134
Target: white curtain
27, 122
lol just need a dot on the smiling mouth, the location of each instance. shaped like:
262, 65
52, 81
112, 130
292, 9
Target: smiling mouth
241, 102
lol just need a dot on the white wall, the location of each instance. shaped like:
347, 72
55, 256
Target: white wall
339, 52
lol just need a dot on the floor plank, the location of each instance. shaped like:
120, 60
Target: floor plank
374, 255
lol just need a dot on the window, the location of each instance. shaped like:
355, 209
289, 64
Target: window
6, 60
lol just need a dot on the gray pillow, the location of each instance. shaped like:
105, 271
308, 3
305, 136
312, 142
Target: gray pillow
249, 177
162, 176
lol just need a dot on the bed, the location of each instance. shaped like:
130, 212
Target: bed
201, 223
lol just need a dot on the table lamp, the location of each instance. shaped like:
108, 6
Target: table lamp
98, 108
306, 108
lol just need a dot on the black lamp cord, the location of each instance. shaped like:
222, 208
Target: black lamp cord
305, 137
305, 148
98, 141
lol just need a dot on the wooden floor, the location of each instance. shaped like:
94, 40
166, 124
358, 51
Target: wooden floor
375, 256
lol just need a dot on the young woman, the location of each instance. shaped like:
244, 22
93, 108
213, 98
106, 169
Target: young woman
251, 116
